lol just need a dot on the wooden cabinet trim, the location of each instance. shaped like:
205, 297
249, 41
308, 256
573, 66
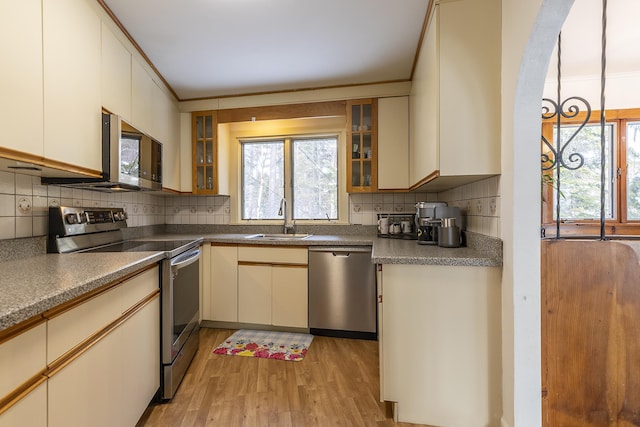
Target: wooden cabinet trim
22, 327
64, 307
272, 264
19, 156
427, 179
289, 111
21, 392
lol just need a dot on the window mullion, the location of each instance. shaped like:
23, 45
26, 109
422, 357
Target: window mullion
621, 183
288, 173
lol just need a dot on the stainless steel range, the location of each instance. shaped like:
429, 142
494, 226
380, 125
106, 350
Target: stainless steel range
97, 230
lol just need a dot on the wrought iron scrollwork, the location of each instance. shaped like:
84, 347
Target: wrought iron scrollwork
568, 109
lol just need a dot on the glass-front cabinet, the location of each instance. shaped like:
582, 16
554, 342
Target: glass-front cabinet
204, 152
362, 134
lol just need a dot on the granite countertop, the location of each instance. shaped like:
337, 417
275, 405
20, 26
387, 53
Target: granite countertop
480, 251
31, 286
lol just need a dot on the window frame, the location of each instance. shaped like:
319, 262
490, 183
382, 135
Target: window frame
288, 142
620, 224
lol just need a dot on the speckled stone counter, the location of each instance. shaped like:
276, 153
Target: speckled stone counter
479, 250
33, 285
389, 251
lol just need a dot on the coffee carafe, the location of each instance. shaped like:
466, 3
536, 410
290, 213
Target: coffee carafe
427, 223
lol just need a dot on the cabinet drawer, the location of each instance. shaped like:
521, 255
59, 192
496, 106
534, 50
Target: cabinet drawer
72, 327
138, 287
22, 357
275, 255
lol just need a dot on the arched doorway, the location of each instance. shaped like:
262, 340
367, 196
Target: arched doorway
529, 35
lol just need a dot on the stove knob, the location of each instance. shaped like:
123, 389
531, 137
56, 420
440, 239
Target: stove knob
71, 219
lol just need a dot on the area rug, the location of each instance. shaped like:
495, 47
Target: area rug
266, 344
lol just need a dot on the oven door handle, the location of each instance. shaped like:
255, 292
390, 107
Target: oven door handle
185, 260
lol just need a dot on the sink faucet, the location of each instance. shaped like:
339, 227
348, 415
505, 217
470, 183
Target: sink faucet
283, 211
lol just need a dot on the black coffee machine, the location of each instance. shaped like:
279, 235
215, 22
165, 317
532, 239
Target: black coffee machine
429, 219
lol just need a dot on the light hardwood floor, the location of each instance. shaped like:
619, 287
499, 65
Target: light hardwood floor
337, 384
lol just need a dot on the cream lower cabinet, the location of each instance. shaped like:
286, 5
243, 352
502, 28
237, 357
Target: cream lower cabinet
29, 411
254, 294
441, 344
94, 361
111, 383
272, 286
289, 296
23, 361
221, 300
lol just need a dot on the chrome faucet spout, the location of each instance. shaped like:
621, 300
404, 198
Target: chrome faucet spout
283, 211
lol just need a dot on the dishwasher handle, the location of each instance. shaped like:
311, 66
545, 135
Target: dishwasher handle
341, 250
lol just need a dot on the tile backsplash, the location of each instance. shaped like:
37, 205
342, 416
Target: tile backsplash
479, 203
24, 204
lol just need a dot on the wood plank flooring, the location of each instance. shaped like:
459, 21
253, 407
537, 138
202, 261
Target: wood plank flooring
337, 384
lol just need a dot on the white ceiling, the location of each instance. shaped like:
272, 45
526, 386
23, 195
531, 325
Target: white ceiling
212, 48
581, 39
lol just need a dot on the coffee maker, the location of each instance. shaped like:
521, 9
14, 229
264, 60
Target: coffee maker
427, 223
429, 217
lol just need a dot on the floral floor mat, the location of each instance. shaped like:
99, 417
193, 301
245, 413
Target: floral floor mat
266, 344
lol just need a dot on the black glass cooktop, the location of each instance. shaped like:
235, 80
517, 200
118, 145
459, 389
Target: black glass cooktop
142, 246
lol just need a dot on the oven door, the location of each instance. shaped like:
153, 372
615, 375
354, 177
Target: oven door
180, 301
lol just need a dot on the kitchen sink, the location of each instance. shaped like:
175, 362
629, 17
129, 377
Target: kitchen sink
278, 236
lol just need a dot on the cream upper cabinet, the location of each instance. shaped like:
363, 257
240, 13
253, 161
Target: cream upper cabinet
116, 75
166, 129
455, 96
142, 88
72, 89
393, 143
21, 76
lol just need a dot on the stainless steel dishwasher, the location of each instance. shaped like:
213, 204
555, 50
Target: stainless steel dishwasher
342, 292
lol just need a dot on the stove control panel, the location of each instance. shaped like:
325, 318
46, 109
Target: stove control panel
72, 221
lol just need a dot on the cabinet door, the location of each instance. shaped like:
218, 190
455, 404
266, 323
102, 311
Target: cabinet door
166, 129
21, 105
204, 152
393, 143
362, 135
424, 111
29, 411
254, 294
88, 390
142, 87
224, 283
116, 75
289, 296
469, 128
140, 361
71, 52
